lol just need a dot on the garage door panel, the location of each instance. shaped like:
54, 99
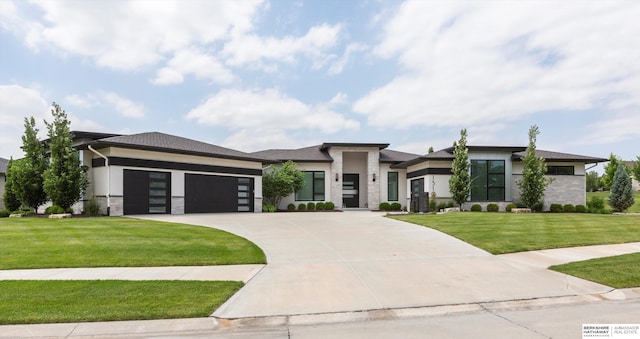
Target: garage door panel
214, 194
146, 192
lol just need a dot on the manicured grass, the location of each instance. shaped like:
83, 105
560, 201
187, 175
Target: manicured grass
605, 195
30, 302
500, 233
622, 271
113, 241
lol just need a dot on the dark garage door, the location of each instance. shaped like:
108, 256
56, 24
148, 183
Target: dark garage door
217, 194
147, 192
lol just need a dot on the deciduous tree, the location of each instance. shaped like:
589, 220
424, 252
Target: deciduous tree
11, 201
534, 182
29, 171
460, 181
610, 170
279, 182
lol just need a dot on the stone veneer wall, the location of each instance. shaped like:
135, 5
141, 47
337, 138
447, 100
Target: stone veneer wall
373, 188
565, 189
117, 207
177, 205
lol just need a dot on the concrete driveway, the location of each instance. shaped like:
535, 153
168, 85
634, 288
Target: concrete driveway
353, 261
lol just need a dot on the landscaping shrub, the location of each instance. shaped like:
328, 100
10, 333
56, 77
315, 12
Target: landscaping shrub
93, 208
569, 208
396, 206
493, 208
302, 207
385, 206
555, 208
329, 206
54, 209
510, 207
441, 206
476, 208
432, 205
581, 209
4, 213
320, 206
291, 207
311, 206
268, 208
596, 205
538, 207
450, 204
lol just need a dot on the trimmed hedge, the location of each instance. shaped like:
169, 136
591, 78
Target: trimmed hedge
291, 207
329, 206
510, 207
320, 206
4, 213
396, 206
268, 208
569, 208
311, 206
493, 208
581, 209
55, 209
476, 208
302, 207
384, 206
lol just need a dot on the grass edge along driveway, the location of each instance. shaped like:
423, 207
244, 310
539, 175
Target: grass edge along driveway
620, 271
500, 233
27, 243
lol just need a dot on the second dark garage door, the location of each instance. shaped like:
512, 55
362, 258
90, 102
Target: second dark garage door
217, 194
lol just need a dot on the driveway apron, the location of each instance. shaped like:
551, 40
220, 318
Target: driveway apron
327, 262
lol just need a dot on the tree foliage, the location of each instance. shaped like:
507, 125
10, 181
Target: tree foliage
11, 202
593, 181
635, 171
534, 182
460, 181
610, 170
279, 182
29, 171
621, 196
430, 149
65, 180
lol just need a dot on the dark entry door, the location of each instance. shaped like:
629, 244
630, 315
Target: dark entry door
146, 192
217, 194
419, 199
351, 190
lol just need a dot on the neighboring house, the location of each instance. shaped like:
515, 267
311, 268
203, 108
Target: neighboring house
3, 176
351, 175
495, 171
151, 173
634, 183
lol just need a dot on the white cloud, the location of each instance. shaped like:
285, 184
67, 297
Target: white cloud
123, 106
260, 139
338, 66
339, 99
17, 103
193, 61
267, 109
481, 63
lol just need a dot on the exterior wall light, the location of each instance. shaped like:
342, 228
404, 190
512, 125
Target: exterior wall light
374, 177
337, 177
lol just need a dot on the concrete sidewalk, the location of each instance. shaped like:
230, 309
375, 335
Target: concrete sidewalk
226, 272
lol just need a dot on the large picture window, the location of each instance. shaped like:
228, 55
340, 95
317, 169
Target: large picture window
392, 186
487, 180
560, 170
313, 189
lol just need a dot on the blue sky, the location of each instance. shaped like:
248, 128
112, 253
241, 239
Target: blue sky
254, 75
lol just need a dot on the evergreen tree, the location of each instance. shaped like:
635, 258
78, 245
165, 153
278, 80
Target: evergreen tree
29, 171
11, 202
621, 196
65, 180
460, 181
533, 183
430, 149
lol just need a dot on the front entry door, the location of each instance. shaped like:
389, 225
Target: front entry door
418, 203
350, 190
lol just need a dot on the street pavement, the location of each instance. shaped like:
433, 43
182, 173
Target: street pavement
360, 274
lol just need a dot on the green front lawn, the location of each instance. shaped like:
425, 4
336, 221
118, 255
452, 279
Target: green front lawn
112, 241
31, 302
500, 233
622, 271
605, 195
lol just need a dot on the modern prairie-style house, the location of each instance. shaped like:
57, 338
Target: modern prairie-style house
153, 172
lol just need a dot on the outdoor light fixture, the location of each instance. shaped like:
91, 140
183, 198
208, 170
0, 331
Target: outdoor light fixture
374, 177
337, 177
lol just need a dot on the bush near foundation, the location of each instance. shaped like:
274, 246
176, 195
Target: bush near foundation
396, 206
476, 208
320, 206
510, 207
581, 209
329, 206
493, 208
302, 207
569, 208
311, 206
291, 207
384, 206
556, 208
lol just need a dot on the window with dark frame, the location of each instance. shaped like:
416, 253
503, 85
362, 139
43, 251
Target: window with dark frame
392, 186
560, 170
313, 189
488, 180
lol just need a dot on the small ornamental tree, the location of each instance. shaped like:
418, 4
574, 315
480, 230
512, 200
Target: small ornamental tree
610, 170
65, 180
279, 182
593, 181
29, 170
460, 181
533, 183
11, 202
621, 196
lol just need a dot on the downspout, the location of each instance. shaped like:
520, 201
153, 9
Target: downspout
106, 163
